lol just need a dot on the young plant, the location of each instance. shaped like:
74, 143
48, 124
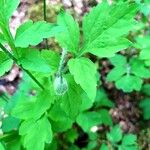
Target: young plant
128, 75
119, 140
53, 88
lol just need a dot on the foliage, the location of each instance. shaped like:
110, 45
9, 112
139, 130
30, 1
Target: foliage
59, 96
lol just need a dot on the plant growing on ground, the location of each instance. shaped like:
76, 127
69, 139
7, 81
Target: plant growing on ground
55, 90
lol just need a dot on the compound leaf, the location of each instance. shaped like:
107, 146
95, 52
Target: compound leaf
105, 27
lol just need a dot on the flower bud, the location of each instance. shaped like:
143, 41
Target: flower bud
60, 85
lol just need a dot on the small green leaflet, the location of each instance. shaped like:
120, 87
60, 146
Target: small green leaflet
5, 63
31, 33
31, 59
69, 39
144, 44
87, 120
105, 28
52, 58
71, 100
145, 105
36, 133
129, 142
84, 72
128, 75
115, 134
7, 9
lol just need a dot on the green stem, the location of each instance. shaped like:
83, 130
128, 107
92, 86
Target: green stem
16, 61
45, 19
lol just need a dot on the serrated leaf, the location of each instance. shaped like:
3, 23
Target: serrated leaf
5, 63
31, 60
52, 58
145, 105
104, 28
71, 100
59, 119
116, 73
36, 133
118, 60
138, 68
84, 72
129, 139
87, 120
32, 106
31, 33
115, 134
69, 39
128, 83
7, 9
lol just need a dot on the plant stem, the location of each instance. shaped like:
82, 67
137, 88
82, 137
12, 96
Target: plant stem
45, 19
16, 61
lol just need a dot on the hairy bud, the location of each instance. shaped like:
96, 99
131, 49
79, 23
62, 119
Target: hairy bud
60, 85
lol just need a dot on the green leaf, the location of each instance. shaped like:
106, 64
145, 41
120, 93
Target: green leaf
118, 60
52, 58
116, 73
115, 135
105, 27
36, 133
7, 9
84, 72
104, 147
59, 119
1, 147
145, 105
69, 39
31, 33
102, 99
71, 100
32, 106
105, 117
146, 89
138, 68
10, 123
31, 60
15, 144
129, 139
86, 102
128, 83
143, 43
5, 63
71, 135
87, 120
128, 76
